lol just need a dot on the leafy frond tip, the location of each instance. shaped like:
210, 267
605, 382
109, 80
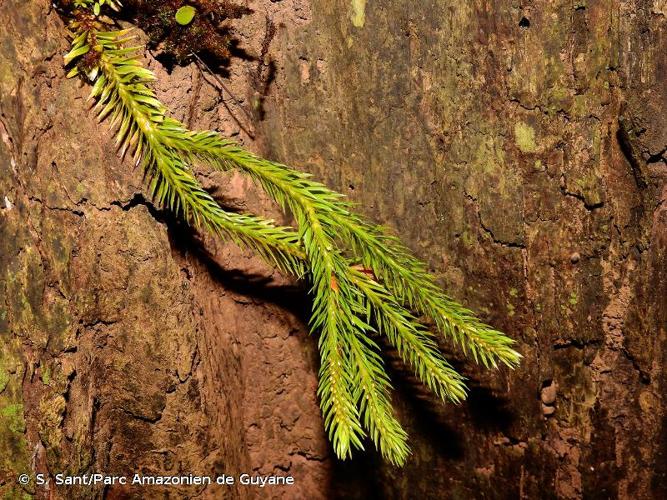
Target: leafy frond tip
364, 281
385, 255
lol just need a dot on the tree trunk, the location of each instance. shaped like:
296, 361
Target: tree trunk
128, 345
520, 150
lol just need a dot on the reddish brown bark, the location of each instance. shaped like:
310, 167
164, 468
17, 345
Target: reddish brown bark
519, 150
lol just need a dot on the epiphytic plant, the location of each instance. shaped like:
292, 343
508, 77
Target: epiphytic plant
365, 283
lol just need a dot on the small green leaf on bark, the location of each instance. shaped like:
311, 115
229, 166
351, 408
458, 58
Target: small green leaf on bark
185, 15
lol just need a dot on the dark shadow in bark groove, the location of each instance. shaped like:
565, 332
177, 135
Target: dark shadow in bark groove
293, 298
220, 68
430, 421
488, 411
357, 479
429, 416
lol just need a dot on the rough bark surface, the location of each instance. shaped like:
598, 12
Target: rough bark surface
518, 147
127, 343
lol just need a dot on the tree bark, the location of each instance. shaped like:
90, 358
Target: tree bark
128, 343
518, 148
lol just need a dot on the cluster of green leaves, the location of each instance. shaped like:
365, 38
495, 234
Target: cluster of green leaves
96, 5
365, 282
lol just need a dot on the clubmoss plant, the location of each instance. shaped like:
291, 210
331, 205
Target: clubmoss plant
365, 282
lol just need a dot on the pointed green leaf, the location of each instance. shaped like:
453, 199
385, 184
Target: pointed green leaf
74, 53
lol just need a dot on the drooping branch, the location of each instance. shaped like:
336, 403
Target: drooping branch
364, 281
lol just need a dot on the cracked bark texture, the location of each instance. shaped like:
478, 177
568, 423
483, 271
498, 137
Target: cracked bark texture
128, 343
518, 148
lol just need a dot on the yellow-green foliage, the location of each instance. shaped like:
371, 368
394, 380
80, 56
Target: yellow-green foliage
364, 281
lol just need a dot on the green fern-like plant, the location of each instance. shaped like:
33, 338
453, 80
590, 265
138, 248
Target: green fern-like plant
365, 283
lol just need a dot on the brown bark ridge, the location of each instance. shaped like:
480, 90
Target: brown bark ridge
126, 344
518, 147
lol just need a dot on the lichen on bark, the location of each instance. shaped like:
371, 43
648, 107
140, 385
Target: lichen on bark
417, 110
